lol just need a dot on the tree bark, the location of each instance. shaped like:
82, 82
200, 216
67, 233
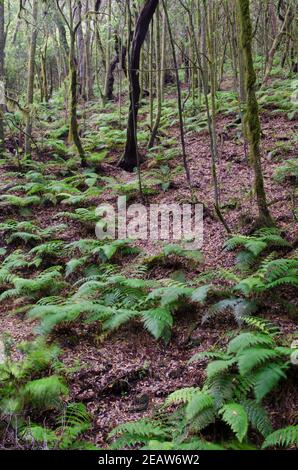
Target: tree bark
252, 114
130, 158
2, 86
276, 43
159, 66
31, 73
73, 128
120, 54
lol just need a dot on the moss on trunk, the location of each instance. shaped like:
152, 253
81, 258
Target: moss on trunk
253, 125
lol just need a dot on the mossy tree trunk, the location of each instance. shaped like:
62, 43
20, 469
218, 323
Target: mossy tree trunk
2, 88
44, 77
73, 78
159, 66
88, 54
253, 125
108, 50
30, 80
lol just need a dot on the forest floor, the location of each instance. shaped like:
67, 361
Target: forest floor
130, 364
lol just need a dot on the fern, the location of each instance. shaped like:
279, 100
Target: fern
258, 417
236, 417
49, 281
254, 246
251, 358
45, 392
142, 431
282, 437
249, 339
158, 322
241, 308
198, 403
8, 200
218, 367
183, 395
267, 379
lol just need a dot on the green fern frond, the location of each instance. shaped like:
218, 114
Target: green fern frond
45, 392
158, 322
236, 417
139, 432
258, 417
198, 403
267, 379
219, 367
183, 395
282, 438
248, 339
251, 358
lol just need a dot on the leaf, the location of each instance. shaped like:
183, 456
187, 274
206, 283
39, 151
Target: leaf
253, 357
199, 402
236, 417
248, 339
267, 379
282, 437
158, 322
201, 293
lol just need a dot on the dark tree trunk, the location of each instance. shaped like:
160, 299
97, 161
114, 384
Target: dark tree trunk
130, 157
111, 80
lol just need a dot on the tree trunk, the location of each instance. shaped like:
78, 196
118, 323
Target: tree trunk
180, 110
130, 158
108, 48
88, 55
31, 73
158, 80
81, 58
44, 77
276, 43
252, 113
2, 86
73, 128
63, 41
119, 52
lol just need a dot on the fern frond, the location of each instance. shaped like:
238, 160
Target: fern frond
45, 392
246, 340
267, 378
236, 417
258, 417
158, 322
251, 358
199, 402
183, 395
282, 437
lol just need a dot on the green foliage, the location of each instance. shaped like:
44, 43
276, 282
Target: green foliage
45, 392
87, 217
27, 232
226, 397
288, 172
282, 437
142, 431
254, 246
9, 200
28, 387
236, 417
47, 282
18, 391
